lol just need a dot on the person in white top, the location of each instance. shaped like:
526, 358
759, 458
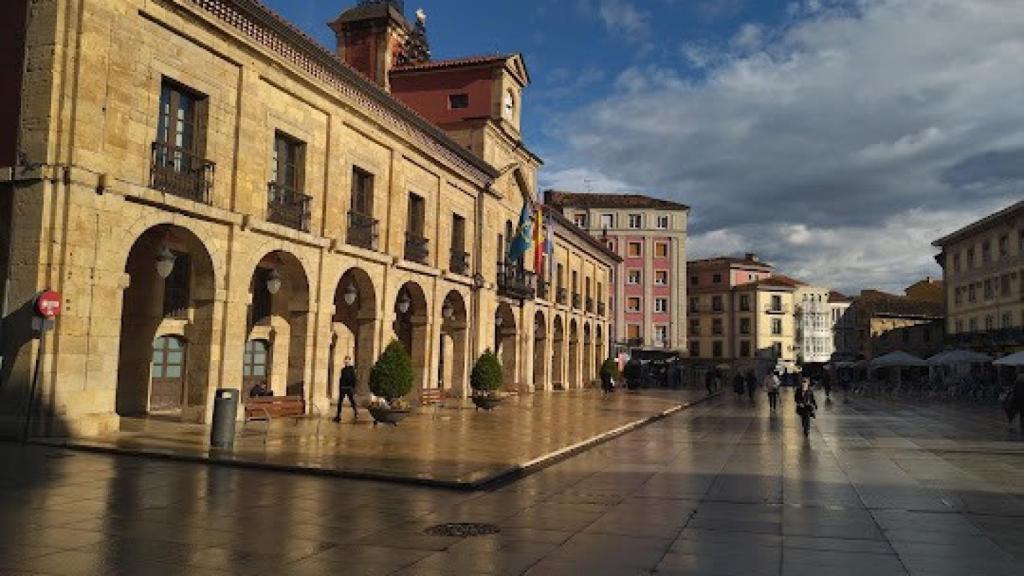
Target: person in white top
771, 384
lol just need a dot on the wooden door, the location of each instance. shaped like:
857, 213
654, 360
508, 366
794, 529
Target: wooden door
167, 374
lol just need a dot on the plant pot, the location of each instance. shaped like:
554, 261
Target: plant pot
382, 415
486, 402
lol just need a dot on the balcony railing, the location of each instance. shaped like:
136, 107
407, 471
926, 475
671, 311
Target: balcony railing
459, 262
576, 300
181, 173
560, 295
600, 307
288, 207
771, 309
417, 248
362, 230
516, 282
543, 288
590, 304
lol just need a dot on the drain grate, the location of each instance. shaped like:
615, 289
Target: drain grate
462, 529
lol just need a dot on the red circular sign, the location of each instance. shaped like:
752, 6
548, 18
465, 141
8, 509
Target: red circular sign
48, 304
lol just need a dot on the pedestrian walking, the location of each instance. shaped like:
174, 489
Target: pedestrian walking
806, 405
771, 385
826, 385
347, 388
709, 381
737, 385
751, 384
607, 384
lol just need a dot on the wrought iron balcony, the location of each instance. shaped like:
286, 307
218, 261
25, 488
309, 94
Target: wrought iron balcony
770, 309
576, 300
516, 282
543, 288
288, 207
459, 262
417, 248
560, 295
176, 171
590, 304
362, 230
600, 307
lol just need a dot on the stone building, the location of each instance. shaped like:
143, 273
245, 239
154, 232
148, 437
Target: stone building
890, 322
222, 201
983, 272
649, 296
844, 327
741, 313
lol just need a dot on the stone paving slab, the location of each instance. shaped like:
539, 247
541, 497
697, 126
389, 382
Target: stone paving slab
454, 446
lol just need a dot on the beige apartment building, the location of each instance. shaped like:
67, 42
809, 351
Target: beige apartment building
983, 276
741, 314
649, 289
220, 201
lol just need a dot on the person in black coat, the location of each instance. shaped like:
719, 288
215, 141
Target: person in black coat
1016, 407
737, 385
347, 388
806, 405
751, 384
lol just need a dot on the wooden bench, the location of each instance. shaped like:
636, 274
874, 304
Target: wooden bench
432, 397
266, 408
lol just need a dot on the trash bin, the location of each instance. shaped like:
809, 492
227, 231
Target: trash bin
225, 411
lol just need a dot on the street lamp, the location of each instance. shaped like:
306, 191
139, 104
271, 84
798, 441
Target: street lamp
164, 261
404, 302
350, 294
274, 282
498, 320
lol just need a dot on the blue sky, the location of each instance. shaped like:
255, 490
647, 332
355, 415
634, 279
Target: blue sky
836, 138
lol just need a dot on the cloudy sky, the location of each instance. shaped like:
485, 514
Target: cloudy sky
836, 138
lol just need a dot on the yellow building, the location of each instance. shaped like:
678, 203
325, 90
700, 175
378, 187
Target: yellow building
983, 272
741, 314
221, 201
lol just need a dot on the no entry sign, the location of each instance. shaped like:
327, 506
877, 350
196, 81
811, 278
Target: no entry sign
48, 304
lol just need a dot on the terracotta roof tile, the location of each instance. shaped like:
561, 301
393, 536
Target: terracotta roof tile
723, 260
561, 199
878, 303
836, 297
452, 63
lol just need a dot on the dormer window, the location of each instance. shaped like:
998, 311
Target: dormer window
508, 106
458, 101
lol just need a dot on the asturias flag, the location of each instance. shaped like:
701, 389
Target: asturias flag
521, 243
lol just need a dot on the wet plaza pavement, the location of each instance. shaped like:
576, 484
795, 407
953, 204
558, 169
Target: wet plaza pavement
721, 488
451, 446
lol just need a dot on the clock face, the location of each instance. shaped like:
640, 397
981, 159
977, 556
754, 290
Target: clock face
509, 106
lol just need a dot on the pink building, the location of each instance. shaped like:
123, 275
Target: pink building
649, 289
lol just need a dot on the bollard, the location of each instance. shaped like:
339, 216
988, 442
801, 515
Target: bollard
225, 411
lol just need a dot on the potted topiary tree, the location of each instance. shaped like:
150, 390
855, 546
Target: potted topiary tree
633, 373
485, 381
391, 379
609, 374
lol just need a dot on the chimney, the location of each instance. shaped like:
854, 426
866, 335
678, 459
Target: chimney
752, 257
371, 36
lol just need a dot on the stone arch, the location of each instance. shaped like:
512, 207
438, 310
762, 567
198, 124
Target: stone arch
411, 318
279, 311
453, 351
558, 353
180, 304
506, 343
353, 327
540, 340
574, 355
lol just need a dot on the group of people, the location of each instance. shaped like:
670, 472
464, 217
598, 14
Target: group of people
771, 384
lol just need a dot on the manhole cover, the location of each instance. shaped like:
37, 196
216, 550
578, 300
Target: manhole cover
462, 529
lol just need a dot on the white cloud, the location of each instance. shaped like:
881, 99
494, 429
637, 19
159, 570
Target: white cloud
749, 37
842, 144
621, 16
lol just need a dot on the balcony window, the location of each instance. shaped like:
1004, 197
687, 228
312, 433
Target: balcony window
661, 305
580, 220
744, 325
634, 250
633, 332
633, 304
1004, 246
633, 277
516, 282
776, 327
745, 303
177, 165
635, 221
362, 226
661, 277
417, 247
716, 327
776, 303
661, 250
694, 327
716, 303
663, 222
459, 260
607, 221
286, 204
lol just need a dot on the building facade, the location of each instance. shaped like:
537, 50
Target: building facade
983, 278
814, 326
844, 327
220, 202
890, 322
740, 313
649, 234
